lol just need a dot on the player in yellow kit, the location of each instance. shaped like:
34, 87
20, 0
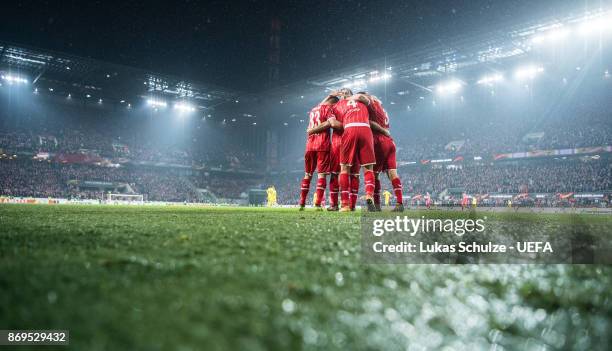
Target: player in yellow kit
271, 196
387, 196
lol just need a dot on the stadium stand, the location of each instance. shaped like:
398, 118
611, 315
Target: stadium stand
62, 141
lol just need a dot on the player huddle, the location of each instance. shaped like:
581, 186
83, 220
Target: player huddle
360, 138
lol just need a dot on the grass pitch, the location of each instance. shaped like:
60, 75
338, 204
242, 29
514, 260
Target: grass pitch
179, 278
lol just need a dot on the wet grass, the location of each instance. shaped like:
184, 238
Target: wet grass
160, 278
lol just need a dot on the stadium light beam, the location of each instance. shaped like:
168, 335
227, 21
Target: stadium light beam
156, 103
375, 77
10, 79
558, 34
491, 79
450, 87
184, 107
528, 72
595, 26
551, 36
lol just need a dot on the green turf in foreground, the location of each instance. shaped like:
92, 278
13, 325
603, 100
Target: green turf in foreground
176, 278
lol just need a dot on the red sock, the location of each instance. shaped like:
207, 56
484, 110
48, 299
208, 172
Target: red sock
368, 178
333, 190
354, 190
397, 188
344, 189
321, 184
377, 192
304, 192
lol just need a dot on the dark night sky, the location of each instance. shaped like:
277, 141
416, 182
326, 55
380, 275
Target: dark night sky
226, 42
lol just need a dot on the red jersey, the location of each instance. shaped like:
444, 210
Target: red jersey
378, 115
337, 137
319, 141
350, 111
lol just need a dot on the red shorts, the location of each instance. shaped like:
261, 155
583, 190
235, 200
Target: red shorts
357, 147
384, 149
334, 161
334, 158
316, 161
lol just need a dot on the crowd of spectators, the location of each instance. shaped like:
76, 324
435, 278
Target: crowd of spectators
534, 178
136, 136
526, 177
488, 139
47, 179
164, 186
222, 157
29, 179
228, 186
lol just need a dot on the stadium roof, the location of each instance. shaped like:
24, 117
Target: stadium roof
77, 75
419, 71
411, 73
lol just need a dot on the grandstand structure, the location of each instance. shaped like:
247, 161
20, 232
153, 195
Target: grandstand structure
510, 101
82, 77
418, 71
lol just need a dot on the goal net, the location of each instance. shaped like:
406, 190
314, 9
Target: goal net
124, 198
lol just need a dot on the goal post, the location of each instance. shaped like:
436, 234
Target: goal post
125, 198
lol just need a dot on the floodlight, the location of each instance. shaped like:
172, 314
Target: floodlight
10, 79
558, 34
552, 35
376, 77
184, 107
528, 72
449, 87
594, 26
157, 103
490, 79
